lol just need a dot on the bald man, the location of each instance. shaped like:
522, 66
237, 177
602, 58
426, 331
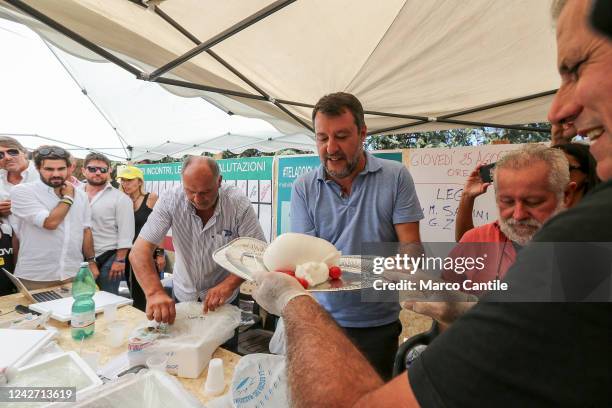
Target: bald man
204, 216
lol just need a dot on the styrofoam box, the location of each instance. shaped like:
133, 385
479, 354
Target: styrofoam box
63, 370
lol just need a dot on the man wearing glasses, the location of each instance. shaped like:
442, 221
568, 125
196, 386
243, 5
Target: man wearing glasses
15, 168
54, 223
112, 221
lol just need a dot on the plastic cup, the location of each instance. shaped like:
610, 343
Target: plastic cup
110, 313
157, 362
215, 379
116, 333
91, 358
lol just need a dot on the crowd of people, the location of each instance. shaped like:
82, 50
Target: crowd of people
52, 222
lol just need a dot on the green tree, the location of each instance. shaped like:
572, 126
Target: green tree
457, 137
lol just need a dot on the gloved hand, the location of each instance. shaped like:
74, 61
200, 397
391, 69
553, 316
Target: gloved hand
275, 289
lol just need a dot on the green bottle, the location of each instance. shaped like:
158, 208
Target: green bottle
83, 319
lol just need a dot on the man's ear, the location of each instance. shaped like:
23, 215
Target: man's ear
568, 194
364, 133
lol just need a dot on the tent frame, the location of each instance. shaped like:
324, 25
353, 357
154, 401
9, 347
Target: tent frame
156, 75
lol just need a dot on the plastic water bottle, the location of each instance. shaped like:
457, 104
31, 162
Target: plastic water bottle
83, 319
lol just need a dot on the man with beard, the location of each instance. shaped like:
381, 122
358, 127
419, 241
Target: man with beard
532, 184
54, 220
112, 221
354, 197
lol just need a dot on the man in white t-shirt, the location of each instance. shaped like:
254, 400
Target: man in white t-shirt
112, 221
15, 168
54, 223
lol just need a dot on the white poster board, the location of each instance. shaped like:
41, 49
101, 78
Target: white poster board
439, 175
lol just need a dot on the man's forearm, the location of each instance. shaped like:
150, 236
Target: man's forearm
121, 254
56, 216
88, 246
464, 220
324, 365
233, 280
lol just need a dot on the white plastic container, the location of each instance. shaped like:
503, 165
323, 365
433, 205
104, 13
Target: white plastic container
190, 341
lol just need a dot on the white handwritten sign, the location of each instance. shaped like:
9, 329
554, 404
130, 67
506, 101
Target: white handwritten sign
439, 175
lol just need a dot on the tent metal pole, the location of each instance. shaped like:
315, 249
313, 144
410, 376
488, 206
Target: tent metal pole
392, 128
493, 125
293, 116
220, 60
236, 28
18, 4
213, 54
397, 115
498, 104
458, 122
59, 141
292, 103
185, 84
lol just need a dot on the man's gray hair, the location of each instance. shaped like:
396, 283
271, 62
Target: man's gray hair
12, 143
212, 164
556, 8
526, 156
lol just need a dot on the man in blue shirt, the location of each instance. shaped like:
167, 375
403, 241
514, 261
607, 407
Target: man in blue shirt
353, 198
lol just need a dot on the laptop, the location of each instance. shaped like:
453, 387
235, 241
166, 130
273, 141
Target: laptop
37, 297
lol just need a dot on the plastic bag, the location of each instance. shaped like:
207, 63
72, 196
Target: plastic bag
260, 380
145, 389
278, 342
189, 343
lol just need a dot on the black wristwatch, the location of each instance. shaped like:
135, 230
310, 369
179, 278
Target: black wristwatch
90, 259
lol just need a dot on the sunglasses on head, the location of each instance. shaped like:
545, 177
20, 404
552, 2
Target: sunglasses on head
48, 151
10, 152
94, 169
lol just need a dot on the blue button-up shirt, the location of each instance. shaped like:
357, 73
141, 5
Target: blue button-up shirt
382, 195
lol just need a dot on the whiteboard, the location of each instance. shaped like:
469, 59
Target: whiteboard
439, 175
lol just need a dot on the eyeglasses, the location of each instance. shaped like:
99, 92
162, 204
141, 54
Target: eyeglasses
576, 168
48, 151
10, 152
94, 169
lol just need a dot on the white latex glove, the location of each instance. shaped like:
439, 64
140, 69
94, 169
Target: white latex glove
275, 289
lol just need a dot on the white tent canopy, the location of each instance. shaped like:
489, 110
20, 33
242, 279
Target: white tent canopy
41, 109
415, 65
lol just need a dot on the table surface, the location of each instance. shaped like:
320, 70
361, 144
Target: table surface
97, 342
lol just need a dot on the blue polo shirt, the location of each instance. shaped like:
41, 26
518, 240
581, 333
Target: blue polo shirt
382, 195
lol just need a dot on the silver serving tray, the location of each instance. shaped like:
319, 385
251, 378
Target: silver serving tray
243, 257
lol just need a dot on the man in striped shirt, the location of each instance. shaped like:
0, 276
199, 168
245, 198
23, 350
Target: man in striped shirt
203, 215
